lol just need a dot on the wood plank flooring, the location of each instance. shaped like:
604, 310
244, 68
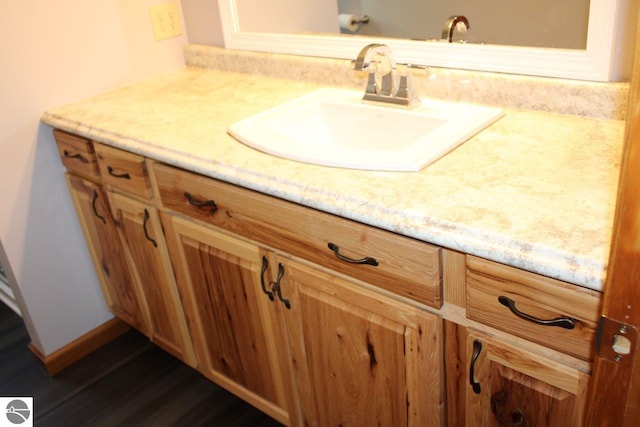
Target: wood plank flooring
128, 382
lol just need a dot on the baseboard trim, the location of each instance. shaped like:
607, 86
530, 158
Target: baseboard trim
80, 347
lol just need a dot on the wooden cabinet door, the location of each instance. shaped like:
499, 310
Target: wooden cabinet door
232, 321
143, 241
511, 387
99, 230
359, 358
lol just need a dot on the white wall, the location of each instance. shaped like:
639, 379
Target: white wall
54, 53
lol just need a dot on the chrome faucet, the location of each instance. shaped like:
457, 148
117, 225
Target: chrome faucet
384, 84
450, 25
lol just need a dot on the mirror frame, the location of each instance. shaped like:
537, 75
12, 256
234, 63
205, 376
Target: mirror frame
596, 63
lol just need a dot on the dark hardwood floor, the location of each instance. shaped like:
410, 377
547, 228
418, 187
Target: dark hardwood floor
128, 382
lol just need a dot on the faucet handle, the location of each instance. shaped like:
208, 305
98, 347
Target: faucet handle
371, 82
406, 90
380, 81
386, 83
403, 87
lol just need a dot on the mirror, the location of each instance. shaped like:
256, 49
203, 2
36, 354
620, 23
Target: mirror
548, 23
564, 48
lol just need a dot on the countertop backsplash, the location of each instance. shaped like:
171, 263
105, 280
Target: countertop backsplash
580, 98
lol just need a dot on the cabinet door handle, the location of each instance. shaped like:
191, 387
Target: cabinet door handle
115, 174
278, 289
76, 156
265, 266
367, 260
477, 348
144, 228
561, 322
212, 205
93, 206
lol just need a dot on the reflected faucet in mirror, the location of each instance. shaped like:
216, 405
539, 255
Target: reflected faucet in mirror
455, 22
388, 82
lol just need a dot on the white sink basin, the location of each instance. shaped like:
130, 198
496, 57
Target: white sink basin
334, 127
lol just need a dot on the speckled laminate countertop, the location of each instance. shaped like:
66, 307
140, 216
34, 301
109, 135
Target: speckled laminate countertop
535, 190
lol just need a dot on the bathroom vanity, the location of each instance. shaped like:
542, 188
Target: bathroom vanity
463, 294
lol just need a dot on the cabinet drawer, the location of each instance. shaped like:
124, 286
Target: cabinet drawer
123, 170
77, 154
405, 266
572, 311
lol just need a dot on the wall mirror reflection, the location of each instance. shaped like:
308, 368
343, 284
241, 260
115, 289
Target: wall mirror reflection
578, 39
542, 23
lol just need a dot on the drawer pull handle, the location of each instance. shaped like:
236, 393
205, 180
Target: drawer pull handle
95, 211
265, 266
144, 228
277, 289
368, 260
477, 348
114, 174
77, 156
212, 205
561, 322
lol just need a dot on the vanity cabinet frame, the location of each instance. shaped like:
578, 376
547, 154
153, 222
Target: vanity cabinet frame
288, 307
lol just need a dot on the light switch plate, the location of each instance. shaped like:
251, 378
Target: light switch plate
165, 20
